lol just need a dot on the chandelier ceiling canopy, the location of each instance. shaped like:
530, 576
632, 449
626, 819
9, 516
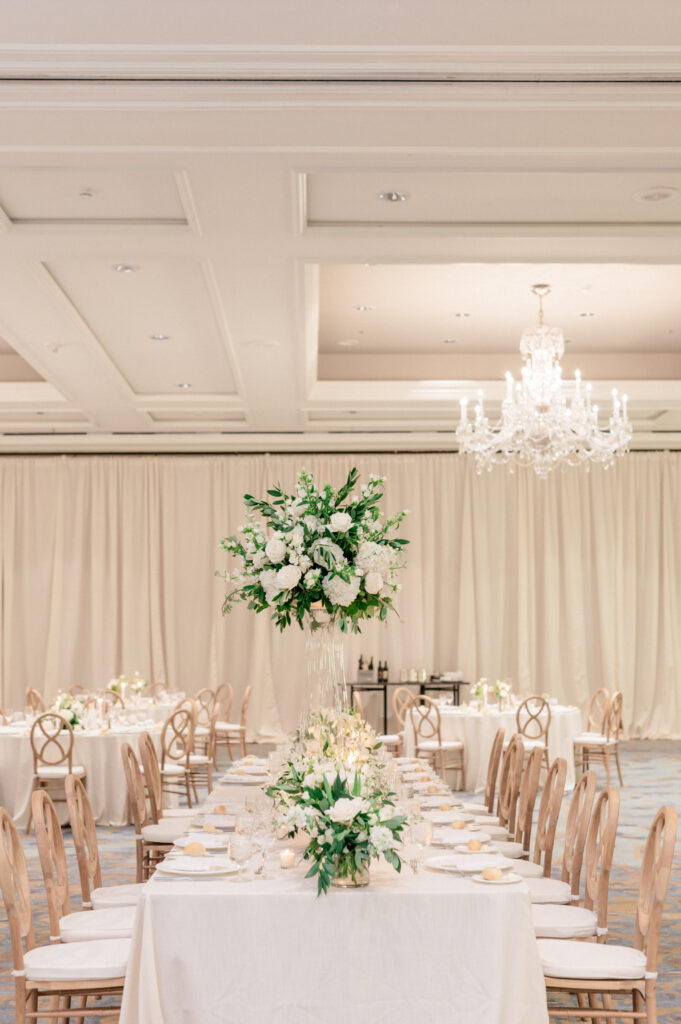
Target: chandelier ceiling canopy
545, 421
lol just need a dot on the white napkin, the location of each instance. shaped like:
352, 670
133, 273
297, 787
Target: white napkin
199, 865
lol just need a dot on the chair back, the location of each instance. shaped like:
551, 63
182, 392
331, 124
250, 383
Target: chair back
177, 736
34, 701
576, 826
224, 696
425, 719
135, 786
152, 776
598, 709
156, 690
51, 740
205, 706
600, 846
358, 705
493, 768
84, 834
655, 871
403, 698
527, 798
244, 705
549, 809
16, 892
52, 855
101, 704
3, 717
533, 718
509, 782
114, 699
613, 721
75, 689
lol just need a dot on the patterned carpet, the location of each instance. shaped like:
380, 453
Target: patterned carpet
652, 771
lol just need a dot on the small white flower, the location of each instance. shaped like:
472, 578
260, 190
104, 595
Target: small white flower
311, 578
373, 582
304, 562
275, 549
381, 838
288, 577
340, 522
311, 523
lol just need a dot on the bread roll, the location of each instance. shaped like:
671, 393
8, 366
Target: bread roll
195, 850
492, 874
220, 809
432, 788
474, 844
445, 807
208, 827
458, 824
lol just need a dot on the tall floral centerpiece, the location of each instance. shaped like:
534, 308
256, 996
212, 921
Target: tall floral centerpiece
323, 558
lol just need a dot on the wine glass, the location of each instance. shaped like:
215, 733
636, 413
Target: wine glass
240, 850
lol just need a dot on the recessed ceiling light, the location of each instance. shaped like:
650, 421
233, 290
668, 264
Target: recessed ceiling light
348, 342
449, 341
364, 309
587, 314
124, 268
184, 387
656, 194
160, 337
393, 197
87, 193
461, 315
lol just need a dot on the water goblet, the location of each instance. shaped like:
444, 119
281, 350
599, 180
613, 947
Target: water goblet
240, 850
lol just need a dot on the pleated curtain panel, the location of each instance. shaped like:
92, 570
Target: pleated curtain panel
563, 585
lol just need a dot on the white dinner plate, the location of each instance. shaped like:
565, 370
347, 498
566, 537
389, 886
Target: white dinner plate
445, 817
201, 867
433, 802
473, 864
509, 879
407, 760
486, 849
225, 822
250, 769
422, 787
243, 780
457, 837
209, 839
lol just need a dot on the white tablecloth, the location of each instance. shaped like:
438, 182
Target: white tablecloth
477, 730
100, 755
432, 948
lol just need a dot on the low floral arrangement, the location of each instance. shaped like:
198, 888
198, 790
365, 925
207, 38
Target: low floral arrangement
318, 548
333, 787
483, 687
69, 707
134, 683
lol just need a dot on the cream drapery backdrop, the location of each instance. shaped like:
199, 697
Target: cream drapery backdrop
107, 566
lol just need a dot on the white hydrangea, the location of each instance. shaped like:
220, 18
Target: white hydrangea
339, 592
304, 562
297, 537
381, 838
311, 578
276, 549
288, 577
373, 582
374, 557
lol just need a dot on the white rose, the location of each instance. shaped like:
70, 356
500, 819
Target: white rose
275, 549
288, 577
344, 810
268, 578
340, 522
297, 537
373, 582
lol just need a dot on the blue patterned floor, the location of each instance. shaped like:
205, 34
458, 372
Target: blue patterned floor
652, 774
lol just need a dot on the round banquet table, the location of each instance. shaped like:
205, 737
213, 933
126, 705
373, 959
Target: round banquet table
97, 751
477, 729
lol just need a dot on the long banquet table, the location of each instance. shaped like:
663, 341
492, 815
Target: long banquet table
477, 729
97, 751
409, 948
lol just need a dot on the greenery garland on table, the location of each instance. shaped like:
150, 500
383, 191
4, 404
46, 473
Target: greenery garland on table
321, 549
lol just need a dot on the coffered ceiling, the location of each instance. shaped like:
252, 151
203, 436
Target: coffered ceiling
191, 218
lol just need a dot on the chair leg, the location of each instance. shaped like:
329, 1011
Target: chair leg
209, 777
617, 761
607, 765
30, 809
242, 737
187, 783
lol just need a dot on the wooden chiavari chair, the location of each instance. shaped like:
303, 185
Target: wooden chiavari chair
561, 921
152, 841
154, 784
177, 744
231, 732
393, 740
597, 711
532, 720
600, 748
76, 689
224, 697
34, 701
503, 825
54, 974
446, 754
93, 892
566, 889
519, 846
114, 699
547, 819
358, 705
157, 691
493, 763
52, 747
65, 926
606, 972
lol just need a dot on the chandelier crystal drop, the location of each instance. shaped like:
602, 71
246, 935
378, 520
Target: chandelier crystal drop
545, 422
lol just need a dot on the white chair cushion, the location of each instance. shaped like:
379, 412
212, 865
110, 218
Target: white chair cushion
509, 848
574, 959
187, 813
486, 819
58, 771
202, 730
494, 831
434, 745
117, 895
78, 961
528, 869
562, 922
389, 738
164, 832
228, 727
173, 770
590, 739
533, 744
84, 925
549, 890
475, 809
198, 759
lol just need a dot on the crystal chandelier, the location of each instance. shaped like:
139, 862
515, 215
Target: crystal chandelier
544, 421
